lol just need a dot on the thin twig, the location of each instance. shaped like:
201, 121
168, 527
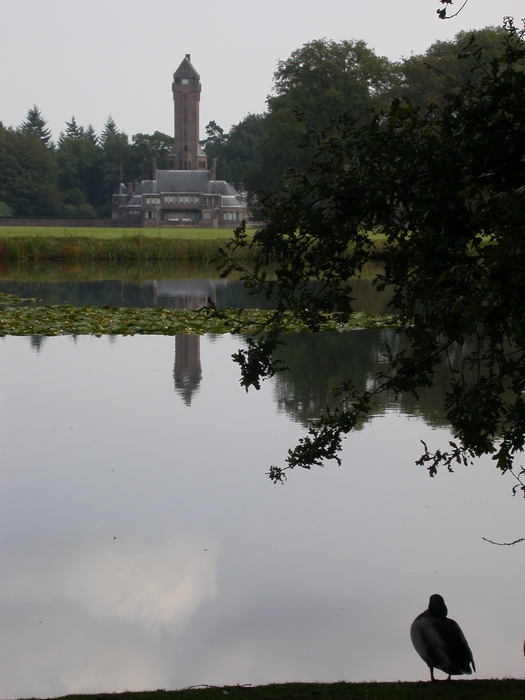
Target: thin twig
504, 544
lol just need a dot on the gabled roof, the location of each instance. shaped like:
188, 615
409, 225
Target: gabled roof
186, 69
223, 188
183, 180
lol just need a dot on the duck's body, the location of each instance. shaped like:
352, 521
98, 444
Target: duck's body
440, 642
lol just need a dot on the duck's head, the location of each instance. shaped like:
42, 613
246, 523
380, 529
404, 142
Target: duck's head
437, 607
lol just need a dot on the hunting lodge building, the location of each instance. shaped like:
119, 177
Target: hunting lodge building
187, 194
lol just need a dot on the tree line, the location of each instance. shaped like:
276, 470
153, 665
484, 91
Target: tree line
76, 176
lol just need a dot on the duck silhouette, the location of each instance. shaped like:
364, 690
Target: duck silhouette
440, 642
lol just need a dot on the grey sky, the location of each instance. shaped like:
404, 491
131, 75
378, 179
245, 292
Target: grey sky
92, 59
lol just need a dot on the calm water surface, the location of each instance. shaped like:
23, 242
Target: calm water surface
52, 285
142, 546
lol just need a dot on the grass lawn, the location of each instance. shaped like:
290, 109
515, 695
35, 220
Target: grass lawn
126, 232
114, 233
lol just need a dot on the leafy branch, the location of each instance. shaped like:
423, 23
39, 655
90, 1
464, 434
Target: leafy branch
442, 14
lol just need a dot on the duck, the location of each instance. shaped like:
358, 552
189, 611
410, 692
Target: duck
440, 642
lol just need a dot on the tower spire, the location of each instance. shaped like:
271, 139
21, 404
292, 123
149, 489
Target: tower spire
186, 89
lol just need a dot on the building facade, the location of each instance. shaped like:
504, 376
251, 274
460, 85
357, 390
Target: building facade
187, 194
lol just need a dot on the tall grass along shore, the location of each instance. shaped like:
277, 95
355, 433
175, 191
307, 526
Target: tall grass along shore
122, 245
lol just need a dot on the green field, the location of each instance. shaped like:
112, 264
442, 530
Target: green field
36, 244
114, 233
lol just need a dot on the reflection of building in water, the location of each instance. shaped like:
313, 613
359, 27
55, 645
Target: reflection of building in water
187, 373
186, 294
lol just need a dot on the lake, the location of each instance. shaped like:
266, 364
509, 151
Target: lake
82, 285
143, 545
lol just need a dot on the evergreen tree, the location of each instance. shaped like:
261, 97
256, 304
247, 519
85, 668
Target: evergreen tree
73, 130
36, 124
91, 134
115, 153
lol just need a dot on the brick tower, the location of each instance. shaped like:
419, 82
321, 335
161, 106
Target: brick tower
186, 86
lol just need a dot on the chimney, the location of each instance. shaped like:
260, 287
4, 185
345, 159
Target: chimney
154, 169
213, 169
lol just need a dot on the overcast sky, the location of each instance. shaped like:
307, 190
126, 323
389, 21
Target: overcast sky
92, 59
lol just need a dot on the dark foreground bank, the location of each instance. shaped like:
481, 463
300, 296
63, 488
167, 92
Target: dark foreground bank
455, 690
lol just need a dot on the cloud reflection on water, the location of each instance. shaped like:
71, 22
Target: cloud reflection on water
217, 576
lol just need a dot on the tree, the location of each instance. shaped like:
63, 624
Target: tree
27, 174
36, 124
73, 131
242, 150
445, 188
320, 81
214, 141
5, 211
78, 160
147, 149
114, 146
91, 134
214, 145
426, 79
237, 153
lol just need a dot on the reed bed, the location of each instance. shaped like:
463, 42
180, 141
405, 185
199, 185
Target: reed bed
130, 249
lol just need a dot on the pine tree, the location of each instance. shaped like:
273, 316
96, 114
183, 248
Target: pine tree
37, 125
73, 130
91, 134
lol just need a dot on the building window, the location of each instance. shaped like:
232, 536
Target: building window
185, 81
206, 215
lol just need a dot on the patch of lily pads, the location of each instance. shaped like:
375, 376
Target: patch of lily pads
18, 318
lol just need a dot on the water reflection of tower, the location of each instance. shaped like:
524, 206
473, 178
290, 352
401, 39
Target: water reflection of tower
186, 294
